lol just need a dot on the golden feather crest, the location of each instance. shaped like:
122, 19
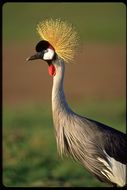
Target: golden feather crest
61, 35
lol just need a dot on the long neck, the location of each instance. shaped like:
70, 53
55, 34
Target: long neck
60, 108
58, 98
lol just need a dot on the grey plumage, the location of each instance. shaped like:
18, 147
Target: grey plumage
87, 141
101, 149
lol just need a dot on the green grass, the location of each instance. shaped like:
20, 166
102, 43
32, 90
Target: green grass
95, 22
30, 157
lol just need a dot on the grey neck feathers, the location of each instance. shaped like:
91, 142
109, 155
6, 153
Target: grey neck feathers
58, 98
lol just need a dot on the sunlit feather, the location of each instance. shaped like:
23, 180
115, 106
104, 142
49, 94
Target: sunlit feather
61, 35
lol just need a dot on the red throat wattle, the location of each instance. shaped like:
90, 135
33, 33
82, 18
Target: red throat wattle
51, 70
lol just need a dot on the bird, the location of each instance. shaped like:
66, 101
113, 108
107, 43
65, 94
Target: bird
99, 148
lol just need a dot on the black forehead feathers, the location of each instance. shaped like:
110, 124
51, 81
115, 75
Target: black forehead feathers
42, 45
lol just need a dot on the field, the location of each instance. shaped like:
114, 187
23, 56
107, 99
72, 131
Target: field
95, 86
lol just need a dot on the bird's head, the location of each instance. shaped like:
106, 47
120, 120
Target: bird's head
46, 52
59, 39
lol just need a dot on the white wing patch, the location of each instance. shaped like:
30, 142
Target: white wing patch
118, 170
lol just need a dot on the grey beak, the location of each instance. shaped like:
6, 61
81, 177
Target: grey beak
38, 55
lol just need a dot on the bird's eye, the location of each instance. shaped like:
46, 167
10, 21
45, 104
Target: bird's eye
48, 54
45, 51
42, 45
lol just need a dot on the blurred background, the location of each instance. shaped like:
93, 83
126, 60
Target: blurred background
94, 86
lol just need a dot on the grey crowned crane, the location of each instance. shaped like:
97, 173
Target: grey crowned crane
101, 149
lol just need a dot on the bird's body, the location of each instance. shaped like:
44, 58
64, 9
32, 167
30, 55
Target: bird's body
101, 149
87, 141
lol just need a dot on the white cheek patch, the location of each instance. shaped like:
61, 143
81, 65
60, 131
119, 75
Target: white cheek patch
49, 54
